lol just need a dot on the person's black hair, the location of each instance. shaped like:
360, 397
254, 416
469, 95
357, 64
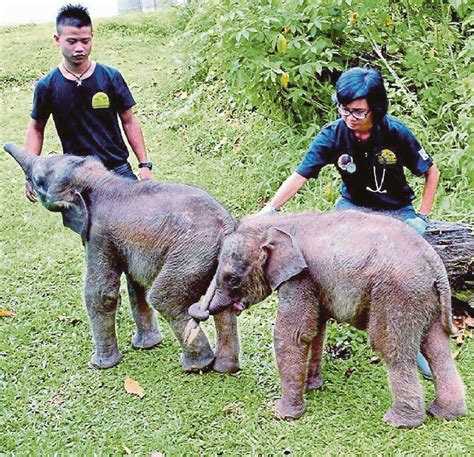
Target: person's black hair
74, 16
365, 83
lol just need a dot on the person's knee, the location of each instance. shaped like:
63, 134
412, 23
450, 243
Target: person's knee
417, 224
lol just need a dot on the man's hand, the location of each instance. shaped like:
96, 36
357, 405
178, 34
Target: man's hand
145, 174
267, 210
419, 223
30, 192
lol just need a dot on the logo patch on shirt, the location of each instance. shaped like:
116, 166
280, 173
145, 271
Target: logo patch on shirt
346, 163
424, 155
387, 157
100, 100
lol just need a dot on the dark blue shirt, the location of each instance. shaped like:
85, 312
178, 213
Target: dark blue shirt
371, 171
86, 116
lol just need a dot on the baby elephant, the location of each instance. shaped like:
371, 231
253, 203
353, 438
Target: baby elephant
164, 237
369, 270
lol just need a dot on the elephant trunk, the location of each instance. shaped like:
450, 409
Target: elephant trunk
24, 158
199, 311
220, 301
215, 300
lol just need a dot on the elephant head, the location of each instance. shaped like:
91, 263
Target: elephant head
60, 182
253, 262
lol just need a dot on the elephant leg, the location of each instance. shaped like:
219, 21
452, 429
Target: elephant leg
295, 329
172, 293
449, 402
227, 347
147, 334
101, 294
314, 379
407, 410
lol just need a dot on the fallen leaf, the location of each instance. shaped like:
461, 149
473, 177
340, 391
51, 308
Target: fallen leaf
231, 409
58, 400
375, 359
192, 335
7, 312
349, 372
126, 449
132, 387
237, 144
460, 338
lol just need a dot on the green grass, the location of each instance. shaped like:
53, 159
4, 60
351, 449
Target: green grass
195, 136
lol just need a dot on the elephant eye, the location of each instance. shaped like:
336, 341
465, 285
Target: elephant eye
231, 280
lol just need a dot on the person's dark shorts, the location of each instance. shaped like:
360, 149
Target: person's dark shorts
125, 171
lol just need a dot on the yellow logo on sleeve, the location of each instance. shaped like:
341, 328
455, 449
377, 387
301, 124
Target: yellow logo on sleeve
100, 100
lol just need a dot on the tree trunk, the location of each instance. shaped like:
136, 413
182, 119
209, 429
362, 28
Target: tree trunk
454, 242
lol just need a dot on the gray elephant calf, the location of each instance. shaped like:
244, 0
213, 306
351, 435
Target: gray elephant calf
164, 237
369, 270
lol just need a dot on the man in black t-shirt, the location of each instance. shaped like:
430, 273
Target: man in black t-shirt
86, 100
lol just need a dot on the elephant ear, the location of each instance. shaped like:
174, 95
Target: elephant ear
76, 216
284, 260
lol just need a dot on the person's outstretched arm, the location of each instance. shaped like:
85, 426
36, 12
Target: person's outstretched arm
290, 187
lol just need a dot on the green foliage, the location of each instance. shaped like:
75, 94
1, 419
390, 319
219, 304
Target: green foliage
282, 58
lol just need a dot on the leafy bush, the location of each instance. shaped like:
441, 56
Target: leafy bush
282, 58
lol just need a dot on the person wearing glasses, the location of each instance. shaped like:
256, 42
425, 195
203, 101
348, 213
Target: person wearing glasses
370, 150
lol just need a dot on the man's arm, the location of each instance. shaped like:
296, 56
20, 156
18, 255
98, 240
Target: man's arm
34, 145
35, 136
429, 191
290, 186
134, 135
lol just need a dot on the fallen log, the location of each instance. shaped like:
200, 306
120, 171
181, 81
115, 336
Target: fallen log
454, 242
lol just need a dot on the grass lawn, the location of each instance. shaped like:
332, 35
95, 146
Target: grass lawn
54, 402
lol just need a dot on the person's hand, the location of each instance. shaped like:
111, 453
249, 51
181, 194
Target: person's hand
30, 192
145, 174
424, 217
419, 223
267, 210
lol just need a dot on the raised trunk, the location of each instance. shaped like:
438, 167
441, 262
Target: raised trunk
25, 159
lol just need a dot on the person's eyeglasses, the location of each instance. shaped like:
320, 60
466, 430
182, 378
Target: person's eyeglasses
356, 113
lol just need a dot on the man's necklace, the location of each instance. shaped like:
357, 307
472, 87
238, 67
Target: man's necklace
78, 78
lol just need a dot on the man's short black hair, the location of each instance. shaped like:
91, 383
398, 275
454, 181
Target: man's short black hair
73, 15
363, 83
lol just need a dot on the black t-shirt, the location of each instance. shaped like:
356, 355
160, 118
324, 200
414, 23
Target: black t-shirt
86, 116
371, 171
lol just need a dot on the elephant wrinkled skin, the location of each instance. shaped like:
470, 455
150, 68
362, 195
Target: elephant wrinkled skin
166, 239
368, 270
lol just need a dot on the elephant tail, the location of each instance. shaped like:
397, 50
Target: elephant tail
443, 290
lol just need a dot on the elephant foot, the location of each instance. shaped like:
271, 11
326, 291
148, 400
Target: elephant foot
146, 340
226, 364
196, 362
315, 382
448, 412
398, 420
287, 411
103, 361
